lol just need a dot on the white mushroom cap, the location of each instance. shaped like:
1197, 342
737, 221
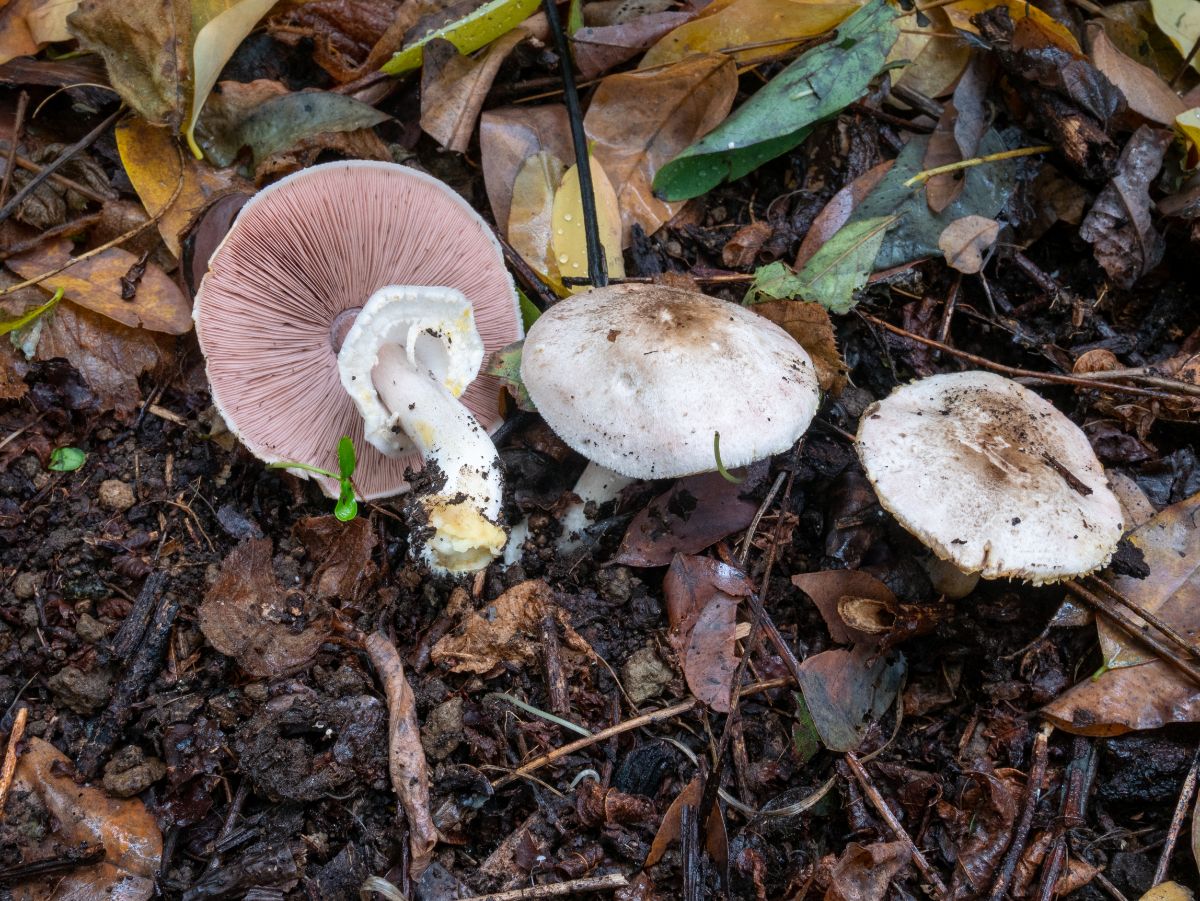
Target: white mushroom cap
991, 477
637, 378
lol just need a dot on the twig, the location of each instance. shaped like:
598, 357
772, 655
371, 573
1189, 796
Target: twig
611, 882
1180, 641
894, 824
1080, 771
130, 633
1187, 61
1181, 809
744, 554
9, 768
62, 181
913, 97
597, 264
1013, 371
948, 309
690, 848
60, 161
18, 126
1033, 793
926, 174
72, 859
646, 719
556, 684
231, 815
541, 295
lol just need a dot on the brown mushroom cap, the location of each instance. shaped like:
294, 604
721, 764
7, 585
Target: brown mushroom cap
637, 378
285, 285
991, 477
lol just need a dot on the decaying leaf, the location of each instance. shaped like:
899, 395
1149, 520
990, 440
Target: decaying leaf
1179, 20
26, 26
962, 13
506, 366
567, 239
511, 135
342, 551
531, 213
980, 819
702, 597
865, 872
598, 49
638, 121
965, 241
828, 589
715, 840
247, 616
454, 86
810, 325
476, 29
929, 59
1119, 225
942, 150
845, 690
837, 211
82, 814
1146, 93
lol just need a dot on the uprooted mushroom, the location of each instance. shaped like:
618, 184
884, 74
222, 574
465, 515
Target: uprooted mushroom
360, 298
639, 379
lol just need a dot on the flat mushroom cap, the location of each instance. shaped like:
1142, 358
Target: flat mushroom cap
637, 378
285, 285
991, 477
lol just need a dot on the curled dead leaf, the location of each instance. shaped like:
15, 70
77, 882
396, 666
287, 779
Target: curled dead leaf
965, 241
809, 323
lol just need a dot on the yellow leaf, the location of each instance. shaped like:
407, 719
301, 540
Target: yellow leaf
1179, 20
1167, 891
153, 164
531, 213
741, 22
214, 44
468, 34
568, 241
960, 16
934, 62
1188, 125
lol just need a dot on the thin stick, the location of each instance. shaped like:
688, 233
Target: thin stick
894, 824
9, 768
597, 265
926, 174
1012, 371
1180, 641
646, 719
611, 882
1033, 793
63, 158
18, 126
539, 292
62, 181
744, 555
1187, 61
1181, 810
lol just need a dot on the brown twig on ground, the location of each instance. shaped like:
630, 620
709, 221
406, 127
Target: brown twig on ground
134, 625
9, 768
898, 830
646, 719
231, 815
556, 684
1033, 793
1183, 67
61, 180
1181, 810
406, 758
948, 309
1015, 372
1138, 632
543, 298
61, 160
611, 882
18, 127
690, 850
1176, 638
1080, 772
915, 98
71, 859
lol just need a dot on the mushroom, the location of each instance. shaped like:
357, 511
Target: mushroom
359, 298
639, 378
991, 477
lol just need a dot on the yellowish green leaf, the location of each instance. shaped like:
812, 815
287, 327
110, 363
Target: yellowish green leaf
960, 16
1188, 126
468, 34
568, 241
24, 319
1179, 20
531, 213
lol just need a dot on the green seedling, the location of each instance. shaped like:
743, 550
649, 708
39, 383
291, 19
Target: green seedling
66, 459
25, 319
725, 473
346, 507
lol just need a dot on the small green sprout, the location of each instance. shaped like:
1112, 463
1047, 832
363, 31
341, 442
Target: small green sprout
25, 319
346, 507
66, 459
725, 473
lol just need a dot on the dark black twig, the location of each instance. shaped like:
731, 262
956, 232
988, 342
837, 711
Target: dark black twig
138, 618
597, 265
1181, 810
539, 292
83, 856
1033, 793
18, 126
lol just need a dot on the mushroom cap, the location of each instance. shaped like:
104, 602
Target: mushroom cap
991, 477
637, 378
284, 287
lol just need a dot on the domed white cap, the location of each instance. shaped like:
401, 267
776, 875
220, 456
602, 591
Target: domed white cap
637, 378
991, 477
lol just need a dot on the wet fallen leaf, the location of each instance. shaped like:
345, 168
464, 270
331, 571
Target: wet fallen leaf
1145, 92
810, 325
702, 597
477, 29
511, 135
942, 150
342, 551
1179, 20
343, 33
531, 213
934, 58
725, 25
715, 839
81, 814
247, 616
508, 630
980, 822
506, 366
846, 690
965, 241
638, 121
837, 211
598, 49
973, 114
742, 249
780, 115
95, 284
454, 86
962, 12
1119, 225
828, 589
567, 239
1168, 891
154, 165
698, 511
26, 26
865, 872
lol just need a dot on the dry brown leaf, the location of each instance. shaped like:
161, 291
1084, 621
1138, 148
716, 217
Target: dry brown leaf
741, 250
837, 212
596, 50
342, 551
453, 87
83, 814
943, 149
846, 690
508, 630
95, 284
827, 589
965, 241
715, 839
810, 325
639, 121
511, 135
937, 60
247, 616
1146, 93
26, 26
865, 872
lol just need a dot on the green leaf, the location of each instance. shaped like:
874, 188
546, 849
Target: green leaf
574, 17
506, 366
805, 738
346, 507
529, 312
25, 319
66, 459
345, 455
468, 34
819, 84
